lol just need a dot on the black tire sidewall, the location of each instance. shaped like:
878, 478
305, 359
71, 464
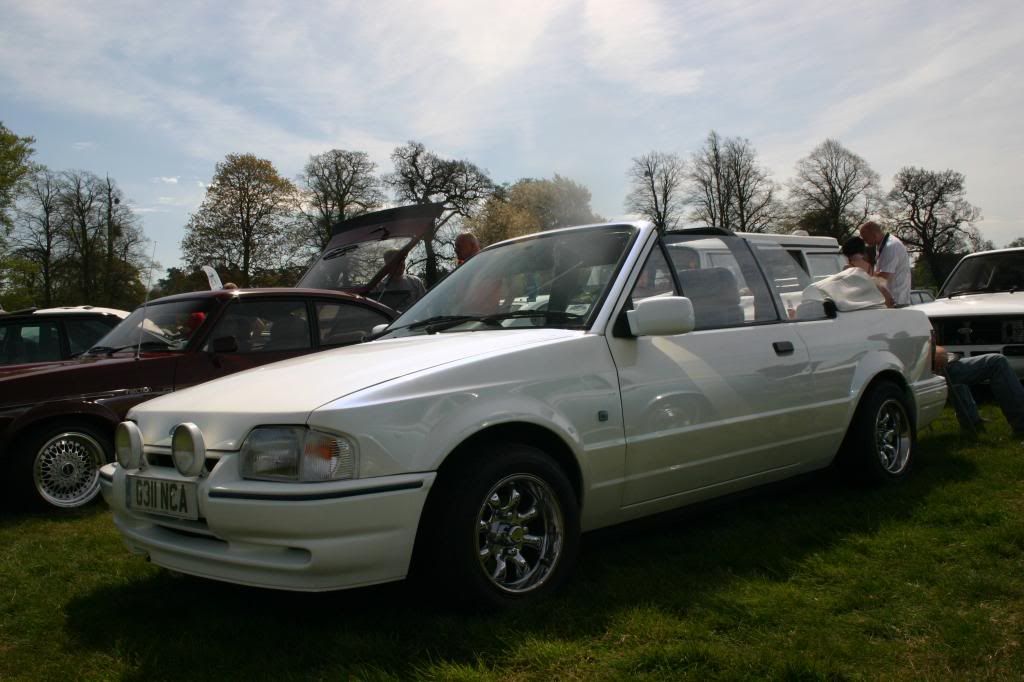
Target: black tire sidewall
863, 460
450, 554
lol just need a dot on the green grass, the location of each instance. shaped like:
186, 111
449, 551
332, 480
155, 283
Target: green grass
808, 581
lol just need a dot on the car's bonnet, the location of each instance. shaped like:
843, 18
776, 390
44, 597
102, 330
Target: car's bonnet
286, 392
1001, 303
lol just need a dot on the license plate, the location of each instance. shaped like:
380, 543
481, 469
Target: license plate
163, 496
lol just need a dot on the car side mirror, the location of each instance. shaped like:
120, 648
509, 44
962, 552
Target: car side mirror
225, 344
378, 329
661, 316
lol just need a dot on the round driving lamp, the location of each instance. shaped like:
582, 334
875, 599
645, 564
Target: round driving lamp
188, 449
128, 445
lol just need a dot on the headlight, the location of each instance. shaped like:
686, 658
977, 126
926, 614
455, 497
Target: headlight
188, 449
128, 445
295, 453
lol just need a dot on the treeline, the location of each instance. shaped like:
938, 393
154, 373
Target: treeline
832, 191
71, 239
67, 238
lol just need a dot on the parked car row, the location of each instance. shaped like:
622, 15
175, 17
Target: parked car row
72, 375
554, 384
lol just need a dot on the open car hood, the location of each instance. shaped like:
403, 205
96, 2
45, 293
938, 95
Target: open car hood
354, 260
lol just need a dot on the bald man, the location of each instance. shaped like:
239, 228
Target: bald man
466, 246
892, 262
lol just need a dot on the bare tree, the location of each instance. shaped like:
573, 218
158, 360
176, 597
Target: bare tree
656, 188
422, 177
930, 214
336, 185
711, 193
755, 206
81, 204
246, 221
38, 234
834, 191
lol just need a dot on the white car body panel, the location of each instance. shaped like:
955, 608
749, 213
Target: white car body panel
641, 424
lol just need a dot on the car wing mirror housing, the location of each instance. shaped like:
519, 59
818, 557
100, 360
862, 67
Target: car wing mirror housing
661, 316
378, 329
225, 344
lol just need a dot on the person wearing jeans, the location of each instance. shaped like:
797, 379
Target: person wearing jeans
962, 373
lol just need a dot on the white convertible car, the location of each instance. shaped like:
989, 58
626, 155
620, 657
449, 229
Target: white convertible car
554, 384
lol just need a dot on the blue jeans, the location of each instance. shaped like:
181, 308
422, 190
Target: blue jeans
1006, 387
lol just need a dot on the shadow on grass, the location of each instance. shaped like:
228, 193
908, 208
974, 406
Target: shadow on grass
165, 626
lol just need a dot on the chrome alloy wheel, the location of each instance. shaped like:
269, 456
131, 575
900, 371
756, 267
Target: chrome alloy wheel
519, 535
66, 470
892, 436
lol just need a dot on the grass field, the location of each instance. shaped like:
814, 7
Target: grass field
924, 580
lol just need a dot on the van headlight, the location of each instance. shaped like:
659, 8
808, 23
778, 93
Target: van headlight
296, 453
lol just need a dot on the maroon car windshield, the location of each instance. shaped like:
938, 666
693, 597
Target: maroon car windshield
157, 326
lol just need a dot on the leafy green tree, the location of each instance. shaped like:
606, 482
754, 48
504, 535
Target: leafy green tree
15, 155
530, 205
247, 221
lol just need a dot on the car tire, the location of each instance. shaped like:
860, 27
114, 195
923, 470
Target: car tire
500, 530
880, 444
59, 465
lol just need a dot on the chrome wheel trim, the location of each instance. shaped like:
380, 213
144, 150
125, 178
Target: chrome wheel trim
66, 470
519, 533
892, 436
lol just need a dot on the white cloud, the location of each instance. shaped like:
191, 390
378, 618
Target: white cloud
172, 180
83, 146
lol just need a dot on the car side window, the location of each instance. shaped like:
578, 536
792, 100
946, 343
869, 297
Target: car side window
83, 334
821, 265
263, 325
722, 279
655, 278
32, 342
789, 281
339, 324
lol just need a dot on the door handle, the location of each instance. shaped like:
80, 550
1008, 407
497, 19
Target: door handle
783, 347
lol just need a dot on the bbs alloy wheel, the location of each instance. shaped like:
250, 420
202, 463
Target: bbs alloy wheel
67, 469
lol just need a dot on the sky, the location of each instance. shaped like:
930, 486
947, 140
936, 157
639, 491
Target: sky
155, 94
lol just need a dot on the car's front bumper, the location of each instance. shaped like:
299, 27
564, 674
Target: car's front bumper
292, 536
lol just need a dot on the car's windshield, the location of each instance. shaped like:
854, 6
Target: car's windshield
550, 280
351, 266
987, 273
157, 326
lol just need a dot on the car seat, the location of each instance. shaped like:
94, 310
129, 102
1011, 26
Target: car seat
715, 296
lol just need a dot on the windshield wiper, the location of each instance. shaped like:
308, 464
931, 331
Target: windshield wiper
441, 322
110, 350
962, 292
557, 315
340, 251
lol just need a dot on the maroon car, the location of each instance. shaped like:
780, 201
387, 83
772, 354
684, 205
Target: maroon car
57, 419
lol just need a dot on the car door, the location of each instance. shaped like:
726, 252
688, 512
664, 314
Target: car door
263, 330
723, 402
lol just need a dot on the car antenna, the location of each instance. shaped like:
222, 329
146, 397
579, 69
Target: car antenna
145, 302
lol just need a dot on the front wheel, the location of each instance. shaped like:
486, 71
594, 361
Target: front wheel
503, 528
880, 443
60, 465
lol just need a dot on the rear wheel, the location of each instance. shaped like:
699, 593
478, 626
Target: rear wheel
59, 465
501, 530
882, 437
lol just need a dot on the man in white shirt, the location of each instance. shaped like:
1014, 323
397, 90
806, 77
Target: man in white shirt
892, 262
